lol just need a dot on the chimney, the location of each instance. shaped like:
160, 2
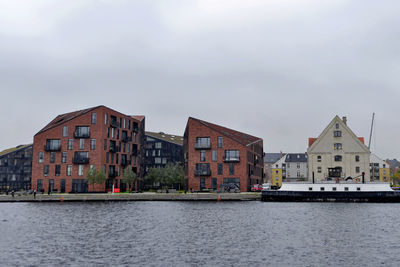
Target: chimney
344, 119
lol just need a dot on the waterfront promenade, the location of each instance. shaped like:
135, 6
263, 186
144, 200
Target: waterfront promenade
132, 197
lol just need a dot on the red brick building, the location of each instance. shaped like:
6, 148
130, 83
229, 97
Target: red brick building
216, 156
65, 149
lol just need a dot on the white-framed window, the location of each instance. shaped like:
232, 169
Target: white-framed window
41, 157
69, 170
65, 131
319, 169
82, 143
80, 170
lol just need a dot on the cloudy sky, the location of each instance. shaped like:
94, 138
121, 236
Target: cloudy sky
277, 69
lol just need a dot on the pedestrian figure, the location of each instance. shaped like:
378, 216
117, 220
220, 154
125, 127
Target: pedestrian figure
34, 193
12, 193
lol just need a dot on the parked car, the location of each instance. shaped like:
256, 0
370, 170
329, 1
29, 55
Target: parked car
256, 188
266, 186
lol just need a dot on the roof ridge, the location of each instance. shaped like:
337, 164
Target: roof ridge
215, 127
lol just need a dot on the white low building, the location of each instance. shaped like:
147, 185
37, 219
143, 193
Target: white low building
338, 154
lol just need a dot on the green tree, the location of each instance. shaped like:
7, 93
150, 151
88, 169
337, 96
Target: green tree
153, 176
91, 176
396, 178
129, 177
100, 177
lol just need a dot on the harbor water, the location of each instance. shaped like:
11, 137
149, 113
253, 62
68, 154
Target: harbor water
199, 234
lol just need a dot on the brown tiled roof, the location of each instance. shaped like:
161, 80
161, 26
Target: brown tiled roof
66, 117
167, 137
139, 118
242, 138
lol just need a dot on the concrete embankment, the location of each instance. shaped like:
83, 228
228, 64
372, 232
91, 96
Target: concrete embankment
132, 197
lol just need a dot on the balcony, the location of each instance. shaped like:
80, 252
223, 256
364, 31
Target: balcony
231, 159
202, 145
79, 134
114, 123
80, 160
112, 173
126, 139
204, 172
114, 149
52, 147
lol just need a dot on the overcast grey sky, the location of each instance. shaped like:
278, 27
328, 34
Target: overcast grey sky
277, 69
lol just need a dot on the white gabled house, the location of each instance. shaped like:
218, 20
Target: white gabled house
338, 153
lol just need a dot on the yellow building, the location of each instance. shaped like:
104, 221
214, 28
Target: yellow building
384, 174
276, 179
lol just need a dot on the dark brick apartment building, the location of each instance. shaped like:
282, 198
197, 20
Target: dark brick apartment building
162, 149
215, 156
65, 149
16, 168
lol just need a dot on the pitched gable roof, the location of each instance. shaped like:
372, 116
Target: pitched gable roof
272, 157
336, 119
175, 139
65, 117
13, 149
242, 138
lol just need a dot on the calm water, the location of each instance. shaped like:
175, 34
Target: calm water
195, 234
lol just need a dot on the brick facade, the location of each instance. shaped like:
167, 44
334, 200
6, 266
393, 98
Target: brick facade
247, 167
105, 131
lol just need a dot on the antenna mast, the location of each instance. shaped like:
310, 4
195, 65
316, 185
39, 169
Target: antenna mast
370, 134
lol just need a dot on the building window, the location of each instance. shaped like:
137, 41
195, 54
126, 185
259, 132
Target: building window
93, 144
107, 157
203, 142
69, 170
277, 172
232, 155
338, 158
337, 146
358, 188
65, 131
298, 165
112, 132
357, 158
105, 144
337, 133
220, 141
94, 118
158, 145
70, 144
357, 169
105, 119
46, 170
319, 158
202, 155
157, 160
80, 170
288, 165
333, 188
64, 157
214, 155
231, 169
337, 125
310, 189
41, 157
220, 169
81, 143
58, 170
108, 132
319, 169
52, 157
39, 185
164, 161
346, 189
322, 188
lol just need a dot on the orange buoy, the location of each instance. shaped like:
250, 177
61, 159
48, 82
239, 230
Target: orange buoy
219, 198
61, 199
